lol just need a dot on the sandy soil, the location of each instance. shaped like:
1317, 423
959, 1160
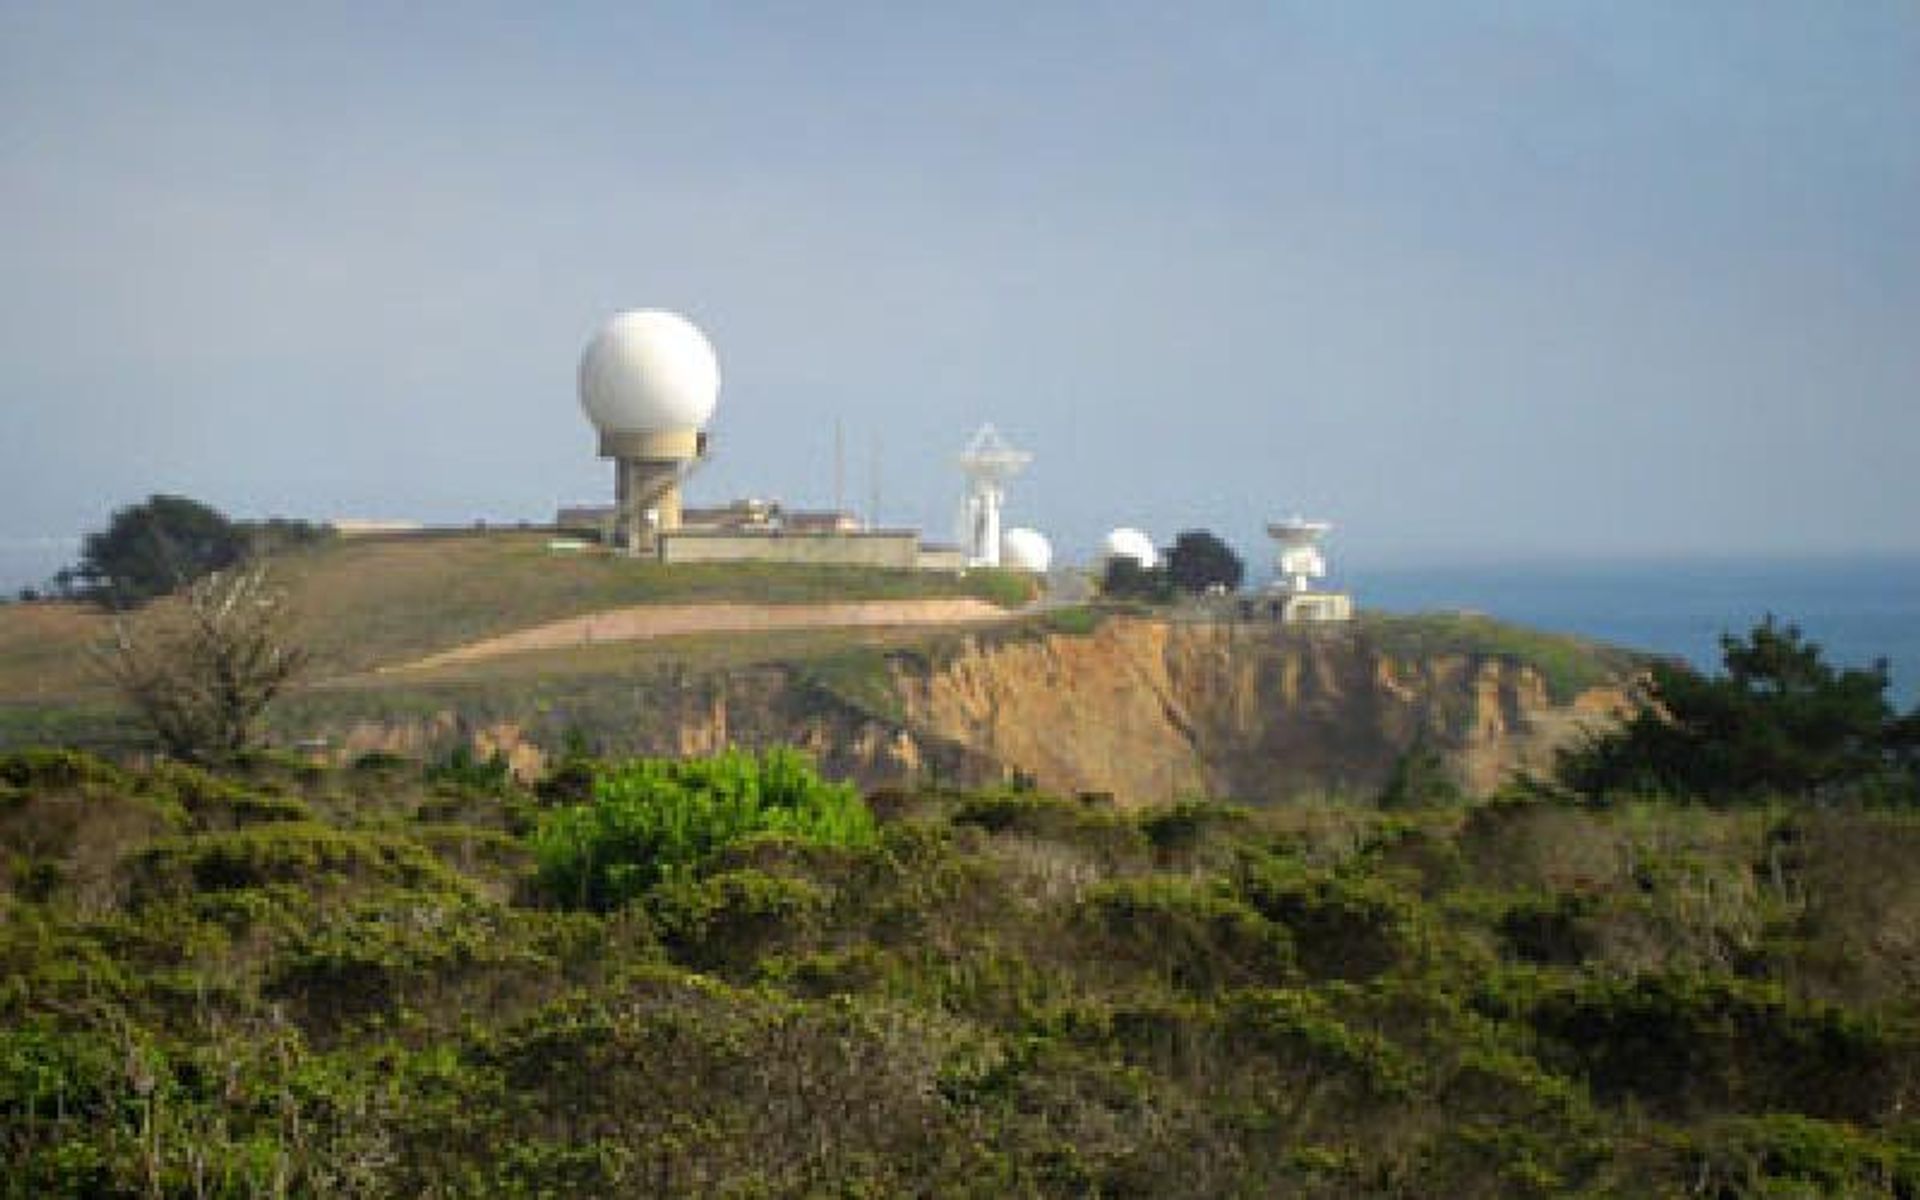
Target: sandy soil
674, 620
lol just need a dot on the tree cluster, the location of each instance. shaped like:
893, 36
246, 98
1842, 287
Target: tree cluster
1777, 721
1198, 562
156, 547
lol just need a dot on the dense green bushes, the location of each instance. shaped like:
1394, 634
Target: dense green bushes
654, 819
282, 979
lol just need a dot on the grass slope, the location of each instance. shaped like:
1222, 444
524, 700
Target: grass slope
366, 602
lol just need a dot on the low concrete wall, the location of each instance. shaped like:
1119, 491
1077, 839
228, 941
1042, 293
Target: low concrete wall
881, 548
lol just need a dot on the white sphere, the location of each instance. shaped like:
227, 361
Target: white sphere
1025, 549
649, 372
1127, 542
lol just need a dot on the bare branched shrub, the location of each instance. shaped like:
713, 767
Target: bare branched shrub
201, 671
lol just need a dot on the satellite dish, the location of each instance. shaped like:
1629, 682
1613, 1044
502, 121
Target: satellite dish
988, 462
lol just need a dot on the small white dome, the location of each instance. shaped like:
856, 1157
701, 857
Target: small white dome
649, 372
1127, 542
1025, 549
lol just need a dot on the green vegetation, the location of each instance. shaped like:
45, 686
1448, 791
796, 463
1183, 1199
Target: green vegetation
367, 602
656, 819
1125, 579
361, 603
1568, 665
1198, 561
731, 977
149, 549
1777, 721
153, 548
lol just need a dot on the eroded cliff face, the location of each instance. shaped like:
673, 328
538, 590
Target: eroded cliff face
1145, 710
1150, 710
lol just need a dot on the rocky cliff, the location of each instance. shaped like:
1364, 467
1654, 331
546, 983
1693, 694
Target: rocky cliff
1150, 710
1144, 709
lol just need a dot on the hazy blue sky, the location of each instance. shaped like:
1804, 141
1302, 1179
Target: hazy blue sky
1514, 278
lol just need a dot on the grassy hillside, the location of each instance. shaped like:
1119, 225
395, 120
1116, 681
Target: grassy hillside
360, 981
368, 602
362, 603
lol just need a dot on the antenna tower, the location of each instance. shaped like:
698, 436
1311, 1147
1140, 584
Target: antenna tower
988, 462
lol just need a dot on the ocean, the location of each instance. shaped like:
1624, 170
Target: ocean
1857, 609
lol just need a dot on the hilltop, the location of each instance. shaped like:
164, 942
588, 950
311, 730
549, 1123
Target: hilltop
495, 643
361, 604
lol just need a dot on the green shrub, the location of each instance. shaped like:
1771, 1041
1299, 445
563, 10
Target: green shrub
1090, 824
728, 920
653, 819
302, 853
461, 771
1686, 1042
212, 802
1183, 832
1077, 621
404, 953
1303, 1027
36, 769
1342, 928
1550, 929
1760, 1155
1194, 937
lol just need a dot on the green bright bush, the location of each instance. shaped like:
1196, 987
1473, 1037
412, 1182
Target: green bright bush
654, 819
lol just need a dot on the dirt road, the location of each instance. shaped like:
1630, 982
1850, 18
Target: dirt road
674, 620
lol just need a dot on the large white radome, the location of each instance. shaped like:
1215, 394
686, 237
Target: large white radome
649, 372
1127, 542
1025, 549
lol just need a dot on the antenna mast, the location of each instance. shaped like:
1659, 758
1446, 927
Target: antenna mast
988, 462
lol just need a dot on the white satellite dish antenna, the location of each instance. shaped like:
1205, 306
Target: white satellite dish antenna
988, 462
1300, 561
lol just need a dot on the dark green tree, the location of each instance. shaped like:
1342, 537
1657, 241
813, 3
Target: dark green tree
1200, 561
1778, 720
1126, 579
151, 549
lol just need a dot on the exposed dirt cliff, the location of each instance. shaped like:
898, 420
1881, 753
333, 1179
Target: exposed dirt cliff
1144, 709
1150, 710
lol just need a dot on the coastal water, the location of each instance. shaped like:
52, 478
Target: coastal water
1858, 609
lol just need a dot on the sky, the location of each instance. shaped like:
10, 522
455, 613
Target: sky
1472, 280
